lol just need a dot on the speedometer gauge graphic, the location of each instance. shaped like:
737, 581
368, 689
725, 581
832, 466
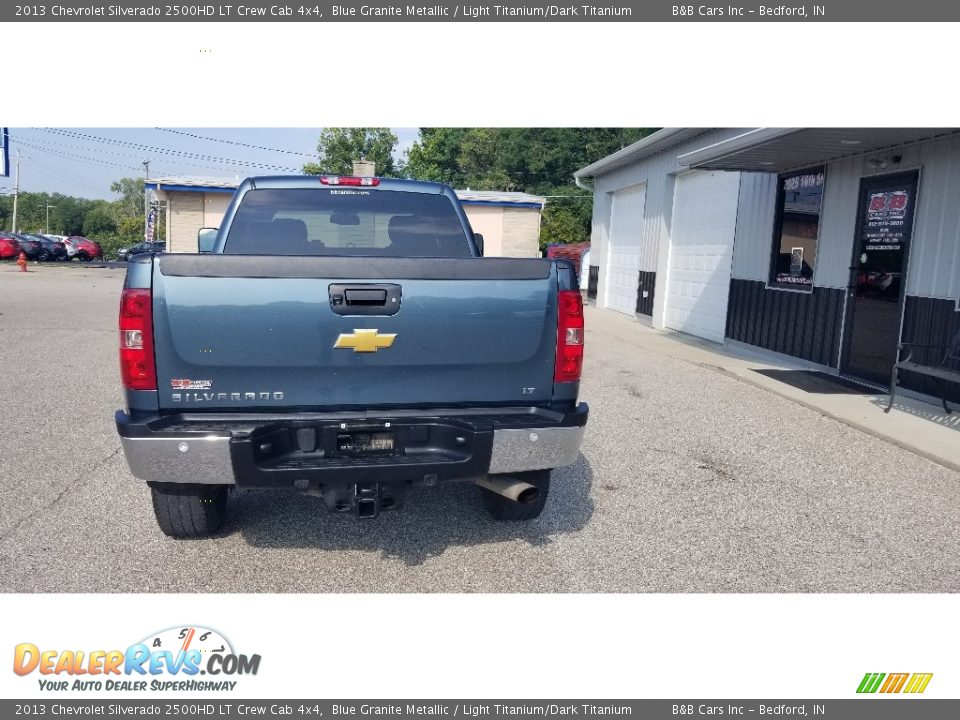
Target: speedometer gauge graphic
185, 638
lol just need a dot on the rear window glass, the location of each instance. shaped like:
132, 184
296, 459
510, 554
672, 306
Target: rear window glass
346, 221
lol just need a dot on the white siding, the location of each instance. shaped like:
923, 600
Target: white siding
935, 252
934, 263
186, 218
752, 250
507, 231
657, 172
935, 258
214, 208
488, 221
521, 233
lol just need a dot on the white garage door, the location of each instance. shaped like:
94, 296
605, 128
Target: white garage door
623, 256
701, 252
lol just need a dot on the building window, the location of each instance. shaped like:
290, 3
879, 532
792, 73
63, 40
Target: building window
797, 229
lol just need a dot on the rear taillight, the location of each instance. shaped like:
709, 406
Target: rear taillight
569, 336
137, 367
350, 181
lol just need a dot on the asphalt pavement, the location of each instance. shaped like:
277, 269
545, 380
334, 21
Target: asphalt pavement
689, 480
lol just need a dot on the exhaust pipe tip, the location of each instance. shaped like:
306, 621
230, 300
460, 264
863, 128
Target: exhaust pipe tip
511, 488
528, 495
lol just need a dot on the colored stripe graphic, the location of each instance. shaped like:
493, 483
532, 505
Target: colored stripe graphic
870, 682
894, 682
918, 683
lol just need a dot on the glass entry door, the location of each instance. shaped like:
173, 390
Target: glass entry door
878, 275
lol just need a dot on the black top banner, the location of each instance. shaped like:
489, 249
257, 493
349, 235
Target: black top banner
500, 11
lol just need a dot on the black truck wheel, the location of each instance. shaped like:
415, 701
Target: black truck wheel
187, 510
504, 509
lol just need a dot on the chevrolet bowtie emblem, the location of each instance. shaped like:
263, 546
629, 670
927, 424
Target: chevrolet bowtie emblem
364, 340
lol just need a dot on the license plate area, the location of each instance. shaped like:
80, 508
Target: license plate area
304, 445
361, 443
334, 456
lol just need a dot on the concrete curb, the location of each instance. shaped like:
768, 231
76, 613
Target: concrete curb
938, 443
850, 422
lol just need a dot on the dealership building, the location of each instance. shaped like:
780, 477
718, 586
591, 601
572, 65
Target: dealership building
830, 245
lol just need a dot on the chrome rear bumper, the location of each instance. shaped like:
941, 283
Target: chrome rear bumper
193, 456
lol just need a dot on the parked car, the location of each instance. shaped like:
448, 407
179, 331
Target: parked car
83, 249
144, 247
31, 247
71, 247
9, 246
49, 249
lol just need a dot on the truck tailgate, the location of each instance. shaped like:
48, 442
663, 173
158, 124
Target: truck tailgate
258, 332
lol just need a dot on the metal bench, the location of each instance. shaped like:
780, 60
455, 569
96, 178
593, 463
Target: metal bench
951, 354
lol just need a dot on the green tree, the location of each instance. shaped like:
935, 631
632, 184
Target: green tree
339, 147
127, 211
534, 160
432, 157
480, 160
526, 159
560, 224
566, 217
31, 211
70, 213
130, 202
99, 220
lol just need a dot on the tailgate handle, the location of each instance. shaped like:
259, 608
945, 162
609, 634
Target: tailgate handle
376, 298
367, 299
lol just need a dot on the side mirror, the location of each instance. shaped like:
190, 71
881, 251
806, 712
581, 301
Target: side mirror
478, 238
206, 239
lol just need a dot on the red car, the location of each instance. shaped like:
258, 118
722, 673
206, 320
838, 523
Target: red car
9, 247
82, 248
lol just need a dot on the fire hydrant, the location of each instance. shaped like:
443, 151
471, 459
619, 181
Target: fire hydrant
22, 261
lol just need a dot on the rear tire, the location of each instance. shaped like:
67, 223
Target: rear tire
506, 510
187, 510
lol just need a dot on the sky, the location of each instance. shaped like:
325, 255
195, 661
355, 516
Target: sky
83, 162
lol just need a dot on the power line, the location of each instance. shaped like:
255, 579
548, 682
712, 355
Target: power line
60, 175
46, 148
75, 157
165, 151
178, 163
237, 142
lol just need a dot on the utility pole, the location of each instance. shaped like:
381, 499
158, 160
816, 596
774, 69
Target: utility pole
47, 231
16, 193
146, 204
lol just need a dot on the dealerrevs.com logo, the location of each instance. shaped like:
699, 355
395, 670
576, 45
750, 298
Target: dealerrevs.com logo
176, 659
